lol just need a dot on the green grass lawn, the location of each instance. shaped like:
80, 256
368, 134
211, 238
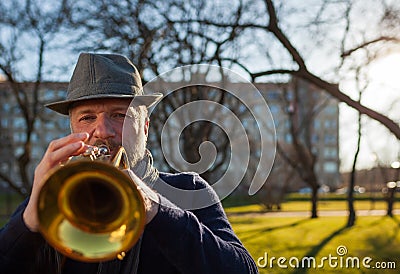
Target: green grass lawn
306, 206
298, 238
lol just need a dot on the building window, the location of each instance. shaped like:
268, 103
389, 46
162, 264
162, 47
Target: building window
4, 122
37, 152
18, 151
275, 110
329, 139
288, 138
330, 124
48, 138
289, 95
272, 95
331, 109
330, 152
19, 137
6, 107
4, 167
317, 124
314, 138
18, 123
330, 167
49, 95
34, 137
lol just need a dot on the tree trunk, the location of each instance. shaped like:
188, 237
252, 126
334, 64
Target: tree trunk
391, 192
350, 200
350, 195
314, 202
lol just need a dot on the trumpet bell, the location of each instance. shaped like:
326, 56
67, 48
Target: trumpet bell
91, 211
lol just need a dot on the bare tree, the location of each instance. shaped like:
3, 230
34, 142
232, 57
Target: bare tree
19, 22
350, 198
300, 152
136, 29
152, 34
300, 68
278, 183
303, 72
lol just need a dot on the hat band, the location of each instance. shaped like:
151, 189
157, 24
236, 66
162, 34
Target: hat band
103, 89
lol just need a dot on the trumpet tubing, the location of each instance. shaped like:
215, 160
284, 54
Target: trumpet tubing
89, 210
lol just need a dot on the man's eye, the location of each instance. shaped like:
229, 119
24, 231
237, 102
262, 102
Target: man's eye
118, 115
87, 118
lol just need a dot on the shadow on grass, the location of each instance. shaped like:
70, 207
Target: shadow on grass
396, 220
386, 247
316, 249
382, 245
251, 233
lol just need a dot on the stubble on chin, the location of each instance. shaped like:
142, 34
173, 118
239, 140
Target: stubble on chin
136, 153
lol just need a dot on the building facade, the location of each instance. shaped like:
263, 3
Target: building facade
303, 111
315, 114
47, 126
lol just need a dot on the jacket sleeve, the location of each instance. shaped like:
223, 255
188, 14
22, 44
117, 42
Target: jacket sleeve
18, 245
199, 241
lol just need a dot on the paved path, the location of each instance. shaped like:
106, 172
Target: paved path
374, 212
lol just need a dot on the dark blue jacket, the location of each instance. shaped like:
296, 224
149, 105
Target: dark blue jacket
175, 241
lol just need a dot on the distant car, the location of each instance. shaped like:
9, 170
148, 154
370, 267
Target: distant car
359, 189
356, 189
307, 190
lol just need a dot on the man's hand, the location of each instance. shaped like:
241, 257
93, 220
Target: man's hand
57, 152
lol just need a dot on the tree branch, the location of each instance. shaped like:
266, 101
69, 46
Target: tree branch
332, 89
365, 44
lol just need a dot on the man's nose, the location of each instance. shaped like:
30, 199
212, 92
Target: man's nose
103, 129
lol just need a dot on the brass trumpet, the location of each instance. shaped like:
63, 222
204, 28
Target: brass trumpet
89, 210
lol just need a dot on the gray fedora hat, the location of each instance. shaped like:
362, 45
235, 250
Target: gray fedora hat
104, 76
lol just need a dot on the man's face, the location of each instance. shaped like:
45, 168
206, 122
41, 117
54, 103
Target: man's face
104, 119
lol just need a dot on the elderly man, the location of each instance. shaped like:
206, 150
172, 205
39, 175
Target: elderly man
175, 239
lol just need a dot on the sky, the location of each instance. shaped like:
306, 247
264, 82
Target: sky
383, 93
378, 146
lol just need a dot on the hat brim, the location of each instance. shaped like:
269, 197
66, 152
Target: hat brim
62, 107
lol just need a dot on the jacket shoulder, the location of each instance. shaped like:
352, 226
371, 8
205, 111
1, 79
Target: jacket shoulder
184, 180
